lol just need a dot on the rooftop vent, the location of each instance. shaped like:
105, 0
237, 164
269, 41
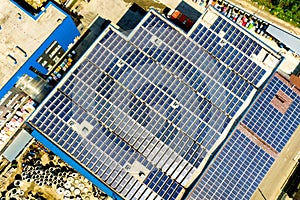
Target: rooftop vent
222, 43
174, 104
121, 63
155, 40
12, 58
138, 170
19, 16
85, 130
20, 49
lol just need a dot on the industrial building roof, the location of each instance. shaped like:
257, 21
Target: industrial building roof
144, 113
249, 153
289, 40
18, 144
26, 38
295, 80
21, 35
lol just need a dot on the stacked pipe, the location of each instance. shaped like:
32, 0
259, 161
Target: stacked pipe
67, 183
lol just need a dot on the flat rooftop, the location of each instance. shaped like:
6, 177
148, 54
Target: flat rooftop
20, 29
231, 33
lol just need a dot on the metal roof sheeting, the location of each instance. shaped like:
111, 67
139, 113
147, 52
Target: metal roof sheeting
286, 38
19, 143
295, 80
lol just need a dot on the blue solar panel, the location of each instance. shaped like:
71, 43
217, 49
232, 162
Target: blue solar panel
102, 102
230, 54
236, 171
268, 122
172, 60
157, 100
241, 164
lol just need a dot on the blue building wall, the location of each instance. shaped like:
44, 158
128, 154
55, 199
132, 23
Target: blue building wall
35, 17
64, 34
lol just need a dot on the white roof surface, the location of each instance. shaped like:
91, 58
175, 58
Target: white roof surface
26, 33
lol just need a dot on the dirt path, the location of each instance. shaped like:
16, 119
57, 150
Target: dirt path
252, 8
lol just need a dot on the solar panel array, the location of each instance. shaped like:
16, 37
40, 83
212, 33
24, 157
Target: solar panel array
234, 49
197, 68
102, 152
241, 164
236, 172
270, 124
157, 98
236, 37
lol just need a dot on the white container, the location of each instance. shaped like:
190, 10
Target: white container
60, 190
77, 191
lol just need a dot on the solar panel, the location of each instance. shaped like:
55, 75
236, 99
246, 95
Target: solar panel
147, 102
236, 172
268, 122
186, 58
242, 162
98, 146
234, 44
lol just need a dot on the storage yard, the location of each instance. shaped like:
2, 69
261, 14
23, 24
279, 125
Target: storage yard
38, 173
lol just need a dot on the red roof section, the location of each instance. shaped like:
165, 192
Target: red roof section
295, 80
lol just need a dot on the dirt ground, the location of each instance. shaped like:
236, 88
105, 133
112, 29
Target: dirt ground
146, 4
8, 174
